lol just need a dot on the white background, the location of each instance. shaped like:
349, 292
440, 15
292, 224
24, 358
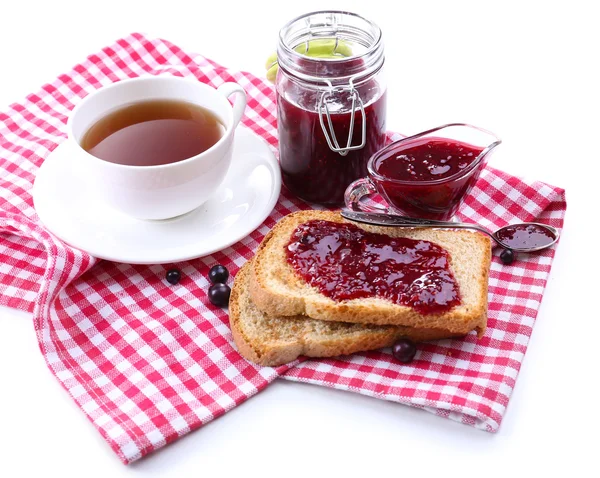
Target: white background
525, 70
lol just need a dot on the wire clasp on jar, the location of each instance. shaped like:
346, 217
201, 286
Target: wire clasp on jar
332, 140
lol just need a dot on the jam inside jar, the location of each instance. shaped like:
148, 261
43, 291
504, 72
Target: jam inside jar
331, 103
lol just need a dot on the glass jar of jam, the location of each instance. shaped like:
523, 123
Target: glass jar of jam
331, 103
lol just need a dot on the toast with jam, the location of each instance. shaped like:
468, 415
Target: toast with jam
273, 341
317, 264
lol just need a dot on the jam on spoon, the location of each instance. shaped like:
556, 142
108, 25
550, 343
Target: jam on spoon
346, 262
525, 236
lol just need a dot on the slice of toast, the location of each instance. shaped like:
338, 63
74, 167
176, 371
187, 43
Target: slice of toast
274, 341
278, 290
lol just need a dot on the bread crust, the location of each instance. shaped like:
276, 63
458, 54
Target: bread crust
277, 290
349, 338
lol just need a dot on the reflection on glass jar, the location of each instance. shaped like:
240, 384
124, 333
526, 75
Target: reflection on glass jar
331, 103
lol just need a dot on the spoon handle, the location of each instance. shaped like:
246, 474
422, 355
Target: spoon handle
378, 219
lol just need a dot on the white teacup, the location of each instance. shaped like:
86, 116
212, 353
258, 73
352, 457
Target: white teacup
163, 191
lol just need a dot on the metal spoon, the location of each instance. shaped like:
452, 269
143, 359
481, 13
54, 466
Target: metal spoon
502, 236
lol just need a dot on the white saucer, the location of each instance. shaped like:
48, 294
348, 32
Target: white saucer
244, 200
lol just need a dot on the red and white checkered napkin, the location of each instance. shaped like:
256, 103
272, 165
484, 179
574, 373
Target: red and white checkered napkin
148, 362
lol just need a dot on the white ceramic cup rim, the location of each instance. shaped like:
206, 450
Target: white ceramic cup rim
229, 126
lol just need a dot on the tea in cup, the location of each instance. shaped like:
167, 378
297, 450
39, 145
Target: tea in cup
155, 147
427, 175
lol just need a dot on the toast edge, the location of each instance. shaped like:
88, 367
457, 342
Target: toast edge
271, 356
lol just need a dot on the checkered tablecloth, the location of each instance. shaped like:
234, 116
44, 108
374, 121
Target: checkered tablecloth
148, 362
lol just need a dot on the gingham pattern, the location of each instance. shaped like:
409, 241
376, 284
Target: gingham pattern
148, 362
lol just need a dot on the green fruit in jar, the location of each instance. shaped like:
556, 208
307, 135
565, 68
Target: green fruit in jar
319, 48
325, 48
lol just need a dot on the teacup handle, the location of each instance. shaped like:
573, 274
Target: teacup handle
358, 190
239, 105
